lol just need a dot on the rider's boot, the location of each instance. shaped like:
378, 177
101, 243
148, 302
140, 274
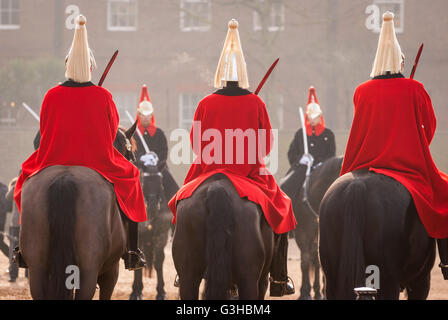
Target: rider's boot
442, 244
280, 283
14, 241
134, 259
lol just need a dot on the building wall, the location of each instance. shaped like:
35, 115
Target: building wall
324, 43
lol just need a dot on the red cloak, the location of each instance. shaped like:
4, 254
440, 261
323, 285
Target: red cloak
78, 126
244, 112
393, 126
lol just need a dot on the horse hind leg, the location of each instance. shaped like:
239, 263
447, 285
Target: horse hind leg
305, 261
189, 264
107, 282
158, 265
418, 289
87, 286
137, 286
37, 279
250, 255
316, 286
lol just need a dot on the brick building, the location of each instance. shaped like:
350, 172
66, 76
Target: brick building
173, 46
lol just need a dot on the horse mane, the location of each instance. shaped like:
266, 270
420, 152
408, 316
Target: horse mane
133, 142
330, 165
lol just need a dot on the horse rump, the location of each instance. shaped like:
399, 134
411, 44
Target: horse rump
61, 197
219, 229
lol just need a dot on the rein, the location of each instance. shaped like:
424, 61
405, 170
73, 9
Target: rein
306, 187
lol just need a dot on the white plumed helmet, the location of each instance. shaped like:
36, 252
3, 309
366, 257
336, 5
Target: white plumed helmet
80, 60
232, 66
389, 57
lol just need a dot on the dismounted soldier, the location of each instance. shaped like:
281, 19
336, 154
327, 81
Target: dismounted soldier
393, 126
321, 146
233, 107
87, 138
156, 142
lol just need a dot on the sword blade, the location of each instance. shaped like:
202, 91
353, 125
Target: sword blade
109, 65
305, 138
417, 59
34, 114
266, 76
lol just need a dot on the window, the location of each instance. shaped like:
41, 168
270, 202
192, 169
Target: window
187, 107
195, 15
272, 13
9, 14
395, 6
122, 15
8, 113
126, 101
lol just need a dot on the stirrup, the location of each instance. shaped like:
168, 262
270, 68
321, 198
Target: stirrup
18, 259
135, 260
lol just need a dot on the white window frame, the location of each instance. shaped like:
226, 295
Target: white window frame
183, 14
110, 27
379, 3
11, 26
271, 28
184, 122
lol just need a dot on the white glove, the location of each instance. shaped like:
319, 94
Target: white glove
307, 160
150, 159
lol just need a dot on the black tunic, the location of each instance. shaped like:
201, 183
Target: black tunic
159, 145
156, 143
321, 147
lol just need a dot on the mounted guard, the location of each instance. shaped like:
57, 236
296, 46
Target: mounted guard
233, 108
393, 126
318, 140
155, 141
87, 139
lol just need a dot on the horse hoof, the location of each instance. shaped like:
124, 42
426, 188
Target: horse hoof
135, 296
318, 297
305, 297
161, 297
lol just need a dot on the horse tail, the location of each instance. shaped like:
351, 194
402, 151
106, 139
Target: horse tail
219, 229
62, 195
351, 264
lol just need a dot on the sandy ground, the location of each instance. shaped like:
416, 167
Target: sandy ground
20, 290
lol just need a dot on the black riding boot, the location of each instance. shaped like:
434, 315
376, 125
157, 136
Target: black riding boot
442, 244
279, 280
134, 258
14, 241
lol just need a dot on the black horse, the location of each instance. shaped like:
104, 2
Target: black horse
368, 219
306, 232
70, 217
224, 239
154, 232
